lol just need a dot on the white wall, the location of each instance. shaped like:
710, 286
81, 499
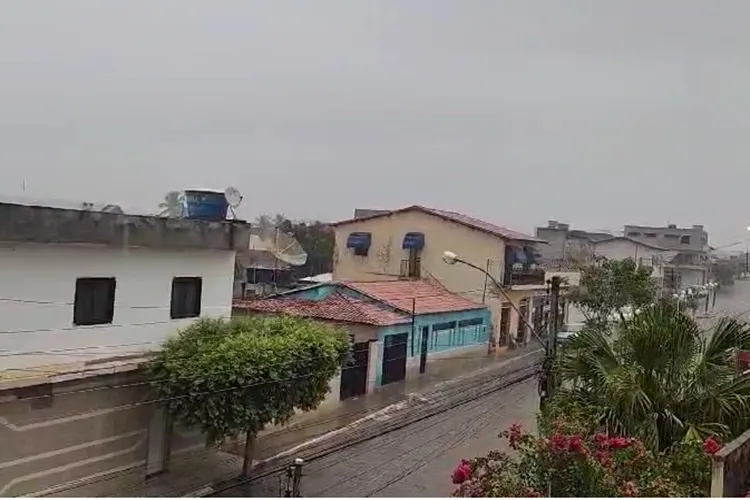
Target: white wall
37, 287
620, 249
691, 277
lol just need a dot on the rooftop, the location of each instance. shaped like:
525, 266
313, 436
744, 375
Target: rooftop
42, 224
335, 307
426, 297
458, 218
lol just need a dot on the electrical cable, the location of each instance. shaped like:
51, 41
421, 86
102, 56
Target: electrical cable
193, 394
157, 381
422, 416
418, 415
470, 406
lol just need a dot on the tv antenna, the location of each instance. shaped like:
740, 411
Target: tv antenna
234, 198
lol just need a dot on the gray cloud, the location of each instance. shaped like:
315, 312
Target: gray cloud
598, 113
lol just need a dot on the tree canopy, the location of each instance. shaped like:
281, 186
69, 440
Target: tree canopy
658, 377
608, 287
171, 206
315, 237
230, 377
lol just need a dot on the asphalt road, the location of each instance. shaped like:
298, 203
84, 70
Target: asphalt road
417, 460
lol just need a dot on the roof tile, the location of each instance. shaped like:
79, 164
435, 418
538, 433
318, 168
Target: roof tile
428, 297
335, 307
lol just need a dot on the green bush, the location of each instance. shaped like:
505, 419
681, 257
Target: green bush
234, 377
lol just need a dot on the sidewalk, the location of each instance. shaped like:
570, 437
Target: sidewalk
194, 473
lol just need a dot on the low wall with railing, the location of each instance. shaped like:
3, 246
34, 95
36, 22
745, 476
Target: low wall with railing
730, 475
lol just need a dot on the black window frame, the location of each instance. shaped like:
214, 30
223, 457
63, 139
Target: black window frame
361, 251
685, 239
94, 293
178, 309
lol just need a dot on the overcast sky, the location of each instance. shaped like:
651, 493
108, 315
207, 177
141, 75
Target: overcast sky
597, 113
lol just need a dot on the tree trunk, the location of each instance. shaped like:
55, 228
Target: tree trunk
248, 456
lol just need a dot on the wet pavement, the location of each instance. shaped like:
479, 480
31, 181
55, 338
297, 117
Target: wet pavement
417, 460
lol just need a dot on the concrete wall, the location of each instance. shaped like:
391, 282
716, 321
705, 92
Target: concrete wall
669, 237
730, 474
57, 434
36, 224
37, 287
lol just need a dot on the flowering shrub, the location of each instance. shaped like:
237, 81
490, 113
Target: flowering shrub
570, 464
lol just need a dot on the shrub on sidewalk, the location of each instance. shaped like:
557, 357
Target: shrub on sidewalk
567, 463
233, 377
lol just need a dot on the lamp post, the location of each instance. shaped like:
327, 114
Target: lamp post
547, 380
451, 258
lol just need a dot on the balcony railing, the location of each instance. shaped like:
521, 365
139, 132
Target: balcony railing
523, 276
411, 269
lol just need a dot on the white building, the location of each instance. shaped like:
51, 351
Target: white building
78, 286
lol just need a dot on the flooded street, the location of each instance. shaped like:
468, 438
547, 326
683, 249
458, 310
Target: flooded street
734, 300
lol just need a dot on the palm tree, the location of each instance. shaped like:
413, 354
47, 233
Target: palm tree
660, 377
171, 206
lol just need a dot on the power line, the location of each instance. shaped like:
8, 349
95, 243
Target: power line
247, 386
419, 415
387, 443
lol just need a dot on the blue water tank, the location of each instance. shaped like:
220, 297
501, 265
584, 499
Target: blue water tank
205, 204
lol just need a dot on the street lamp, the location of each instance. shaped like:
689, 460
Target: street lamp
451, 258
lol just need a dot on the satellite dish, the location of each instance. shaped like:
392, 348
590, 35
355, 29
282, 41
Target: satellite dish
233, 196
284, 247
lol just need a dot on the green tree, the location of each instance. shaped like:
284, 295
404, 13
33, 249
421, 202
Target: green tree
234, 377
171, 206
315, 237
608, 287
659, 377
318, 240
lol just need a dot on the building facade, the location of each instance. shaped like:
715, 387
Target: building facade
84, 296
691, 263
409, 243
397, 328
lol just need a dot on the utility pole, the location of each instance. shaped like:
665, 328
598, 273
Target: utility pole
293, 479
548, 383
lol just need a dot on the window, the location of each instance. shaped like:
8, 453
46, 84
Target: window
361, 251
634, 234
684, 240
186, 298
670, 236
94, 302
649, 235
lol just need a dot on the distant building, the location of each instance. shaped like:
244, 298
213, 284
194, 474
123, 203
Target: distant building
565, 243
408, 244
690, 266
680, 257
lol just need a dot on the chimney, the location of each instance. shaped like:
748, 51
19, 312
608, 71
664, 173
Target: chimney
552, 224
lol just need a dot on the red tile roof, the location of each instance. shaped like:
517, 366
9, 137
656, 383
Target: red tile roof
456, 217
430, 298
335, 307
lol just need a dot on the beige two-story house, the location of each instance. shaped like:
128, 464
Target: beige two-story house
408, 243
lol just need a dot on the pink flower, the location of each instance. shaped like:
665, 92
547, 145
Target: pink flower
711, 446
630, 489
514, 435
618, 442
462, 473
604, 458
